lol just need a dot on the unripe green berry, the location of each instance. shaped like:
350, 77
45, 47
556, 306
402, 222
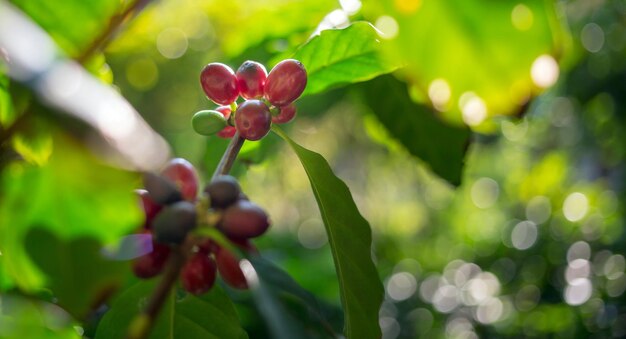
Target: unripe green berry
208, 122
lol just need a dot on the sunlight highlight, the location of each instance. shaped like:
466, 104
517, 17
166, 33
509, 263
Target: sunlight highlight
388, 26
439, 93
473, 108
575, 206
544, 71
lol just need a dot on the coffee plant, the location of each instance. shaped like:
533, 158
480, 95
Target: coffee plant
157, 178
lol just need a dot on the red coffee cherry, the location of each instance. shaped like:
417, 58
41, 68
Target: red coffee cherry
198, 274
230, 271
228, 131
183, 174
253, 120
150, 207
152, 263
286, 114
251, 77
219, 83
285, 82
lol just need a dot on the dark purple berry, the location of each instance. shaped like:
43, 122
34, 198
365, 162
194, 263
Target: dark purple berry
219, 83
173, 223
223, 191
285, 82
253, 120
162, 190
151, 263
251, 77
244, 220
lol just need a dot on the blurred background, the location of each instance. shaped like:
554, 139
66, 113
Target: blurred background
530, 244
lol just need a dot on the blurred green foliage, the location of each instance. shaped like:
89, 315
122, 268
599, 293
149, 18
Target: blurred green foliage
531, 244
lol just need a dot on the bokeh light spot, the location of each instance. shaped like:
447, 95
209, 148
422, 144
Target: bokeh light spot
544, 71
524, 235
388, 26
578, 291
439, 93
538, 209
407, 6
522, 17
142, 73
401, 286
473, 108
575, 206
172, 43
312, 234
485, 192
592, 37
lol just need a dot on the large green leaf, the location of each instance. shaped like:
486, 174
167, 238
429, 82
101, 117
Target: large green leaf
211, 315
350, 239
73, 195
276, 283
78, 274
473, 46
415, 126
72, 24
343, 56
27, 318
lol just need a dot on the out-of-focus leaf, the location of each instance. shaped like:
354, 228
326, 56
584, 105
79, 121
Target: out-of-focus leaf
279, 281
72, 24
343, 56
77, 273
7, 113
472, 47
24, 318
211, 315
350, 239
73, 195
415, 126
34, 142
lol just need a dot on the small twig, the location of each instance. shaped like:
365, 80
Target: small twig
142, 324
229, 156
102, 40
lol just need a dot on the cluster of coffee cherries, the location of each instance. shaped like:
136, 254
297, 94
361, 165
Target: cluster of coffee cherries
267, 98
174, 214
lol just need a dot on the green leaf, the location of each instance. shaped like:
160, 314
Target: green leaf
211, 315
7, 113
278, 280
343, 56
73, 195
416, 127
34, 141
26, 318
483, 51
74, 24
350, 239
78, 275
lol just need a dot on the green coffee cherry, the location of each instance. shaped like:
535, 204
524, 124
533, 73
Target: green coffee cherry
208, 122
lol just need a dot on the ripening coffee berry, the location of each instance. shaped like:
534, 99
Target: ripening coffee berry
208, 122
162, 190
151, 263
286, 114
228, 131
228, 267
253, 120
285, 82
198, 274
219, 83
183, 174
150, 207
173, 223
244, 219
223, 191
251, 77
